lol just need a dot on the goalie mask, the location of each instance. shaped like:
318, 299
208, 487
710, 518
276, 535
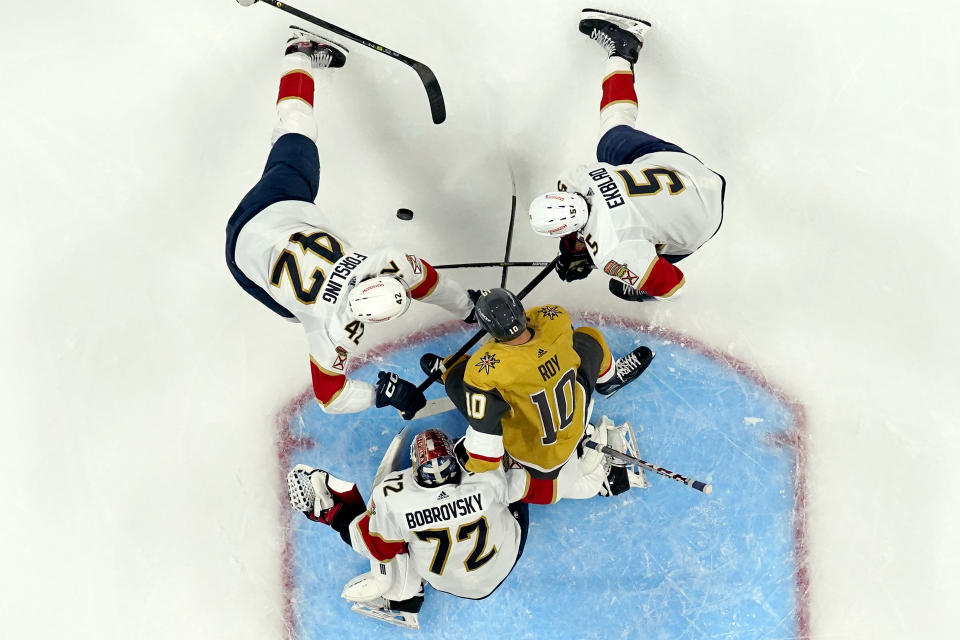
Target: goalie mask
378, 300
434, 462
558, 213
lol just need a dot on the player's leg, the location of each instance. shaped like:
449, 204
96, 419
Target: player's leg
621, 37
292, 171
390, 591
598, 367
596, 361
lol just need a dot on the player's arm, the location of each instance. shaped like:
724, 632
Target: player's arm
636, 264
328, 364
375, 534
424, 282
484, 438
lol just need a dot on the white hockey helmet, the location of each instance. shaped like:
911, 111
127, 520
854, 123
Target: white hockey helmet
558, 213
378, 299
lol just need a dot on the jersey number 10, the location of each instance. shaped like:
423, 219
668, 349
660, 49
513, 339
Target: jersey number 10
565, 410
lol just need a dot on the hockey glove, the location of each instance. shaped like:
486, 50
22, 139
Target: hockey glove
574, 262
394, 391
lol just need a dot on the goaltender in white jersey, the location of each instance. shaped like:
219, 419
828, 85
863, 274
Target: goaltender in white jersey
646, 204
460, 532
291, 255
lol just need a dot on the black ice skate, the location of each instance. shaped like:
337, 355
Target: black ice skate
625, 292
323, 52
618, 34
431, 363
629, 368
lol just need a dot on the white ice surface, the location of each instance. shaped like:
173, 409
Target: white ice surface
140, 384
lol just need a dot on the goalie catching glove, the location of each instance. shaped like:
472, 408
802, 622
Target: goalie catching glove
574, 262
394, 391
324, 498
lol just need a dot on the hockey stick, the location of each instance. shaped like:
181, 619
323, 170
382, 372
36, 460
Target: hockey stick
390, 457
695, 484
433, 377
513, 217
470, 265
437, 107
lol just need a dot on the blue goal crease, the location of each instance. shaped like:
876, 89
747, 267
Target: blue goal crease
667, 561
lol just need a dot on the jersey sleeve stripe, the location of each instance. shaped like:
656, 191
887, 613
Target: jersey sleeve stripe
381, 549
326, 385
428, 284
662, 279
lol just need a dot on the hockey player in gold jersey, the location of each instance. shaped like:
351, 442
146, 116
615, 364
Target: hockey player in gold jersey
527, 392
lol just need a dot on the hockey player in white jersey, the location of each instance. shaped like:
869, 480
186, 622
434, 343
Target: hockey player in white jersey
460, 532
646, 204
290, 254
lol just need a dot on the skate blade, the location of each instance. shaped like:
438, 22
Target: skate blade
587, 14
398, 618
319, 37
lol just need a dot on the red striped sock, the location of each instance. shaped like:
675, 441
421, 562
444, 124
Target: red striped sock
618, 87
296, 84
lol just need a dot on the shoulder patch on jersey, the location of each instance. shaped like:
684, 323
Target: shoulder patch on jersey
372, 509
620, 271
541, 352
415, 263
487, 362
549, 311
341, 359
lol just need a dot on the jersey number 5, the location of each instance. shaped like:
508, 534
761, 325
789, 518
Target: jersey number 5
652, 185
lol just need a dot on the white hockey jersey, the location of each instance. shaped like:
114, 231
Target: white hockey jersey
309, 270
461, 538
664, 204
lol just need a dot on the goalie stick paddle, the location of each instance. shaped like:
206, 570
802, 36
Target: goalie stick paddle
693, 484
433, 377
438, 109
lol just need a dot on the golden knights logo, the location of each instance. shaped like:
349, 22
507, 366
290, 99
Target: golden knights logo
621, 272
487, 362
550, 311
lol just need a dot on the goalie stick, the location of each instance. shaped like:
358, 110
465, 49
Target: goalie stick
438, 109
694, 484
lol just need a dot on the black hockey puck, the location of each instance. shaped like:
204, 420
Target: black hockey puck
405, 214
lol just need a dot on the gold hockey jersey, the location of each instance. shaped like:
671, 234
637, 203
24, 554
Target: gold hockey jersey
526, 399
